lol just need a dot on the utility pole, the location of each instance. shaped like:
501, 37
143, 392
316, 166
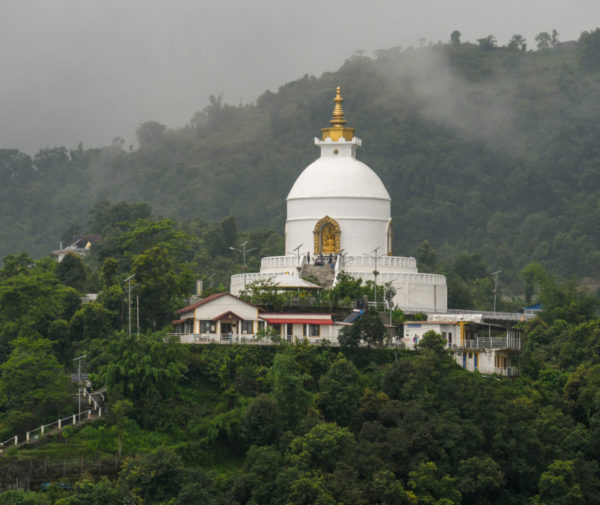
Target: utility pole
495, 274
297, 249
375, 272
243, 251
79, 384
128, 281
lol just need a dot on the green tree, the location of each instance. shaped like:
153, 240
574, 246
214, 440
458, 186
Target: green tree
543, 40
517, 43
558, 485
118, 419
144, 369
33, 386
154, 477
103, 492
487, 43
287, 382
157, 286
322, 447
455, 38
71, 272
368, 328
479, 480
92, 321
432, 487
150, 133
340, 392
589, 48
22, 497
262, 422
426, 257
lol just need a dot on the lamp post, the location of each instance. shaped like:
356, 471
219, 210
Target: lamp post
79, 383
375, 272
243, 250
297, 249
495, 274
342, 259
128, 281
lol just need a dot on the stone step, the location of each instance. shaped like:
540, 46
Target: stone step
324, 274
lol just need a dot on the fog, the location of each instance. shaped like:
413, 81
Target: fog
80, 71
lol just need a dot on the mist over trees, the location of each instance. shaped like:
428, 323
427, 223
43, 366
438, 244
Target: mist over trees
484, 148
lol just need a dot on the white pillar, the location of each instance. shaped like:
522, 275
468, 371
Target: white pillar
59, 424
42, 429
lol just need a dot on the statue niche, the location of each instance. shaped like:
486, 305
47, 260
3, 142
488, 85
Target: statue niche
327, 236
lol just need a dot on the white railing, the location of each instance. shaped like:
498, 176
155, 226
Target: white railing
384, 277
289, 261
510, 342
403, 262
229, 338
500, 316
93, 413
11, 441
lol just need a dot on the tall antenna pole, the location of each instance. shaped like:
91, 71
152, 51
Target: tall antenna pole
375, 272
79, 384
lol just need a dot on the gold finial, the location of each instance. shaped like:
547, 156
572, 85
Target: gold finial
338, 111
337, 130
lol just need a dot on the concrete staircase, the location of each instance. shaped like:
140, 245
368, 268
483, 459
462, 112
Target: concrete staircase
324, 274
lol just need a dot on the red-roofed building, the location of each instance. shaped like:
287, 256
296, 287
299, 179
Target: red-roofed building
224, 317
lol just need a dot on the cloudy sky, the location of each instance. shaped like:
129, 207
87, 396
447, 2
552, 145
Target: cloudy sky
87, 71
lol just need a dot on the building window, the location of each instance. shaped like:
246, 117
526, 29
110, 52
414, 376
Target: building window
314, 330
261, 325
277, 328
247, 326
450, 338
305, 330
208, 327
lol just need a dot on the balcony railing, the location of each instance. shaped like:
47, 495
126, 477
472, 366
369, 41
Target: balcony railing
509, 342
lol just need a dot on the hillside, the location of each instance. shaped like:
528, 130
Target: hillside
487, 150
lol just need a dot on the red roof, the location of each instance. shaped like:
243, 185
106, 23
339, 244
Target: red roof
179, 321
210, 299
297, 321
228, 314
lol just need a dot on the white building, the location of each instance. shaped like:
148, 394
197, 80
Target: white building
339, 209
488, 348
224, 318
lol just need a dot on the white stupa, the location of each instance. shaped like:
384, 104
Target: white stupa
339, 210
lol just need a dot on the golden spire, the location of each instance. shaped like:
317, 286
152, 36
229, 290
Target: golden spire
338, 111
337, 130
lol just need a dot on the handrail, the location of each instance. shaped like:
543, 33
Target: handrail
94, 412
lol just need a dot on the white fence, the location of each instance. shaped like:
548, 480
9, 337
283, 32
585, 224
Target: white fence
95, 411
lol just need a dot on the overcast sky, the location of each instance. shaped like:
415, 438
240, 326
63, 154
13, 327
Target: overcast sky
87, 71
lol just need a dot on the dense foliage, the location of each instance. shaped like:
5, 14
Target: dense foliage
287, 424
483, 148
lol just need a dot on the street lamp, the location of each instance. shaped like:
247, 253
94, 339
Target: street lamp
79, 384
342, 259
495, 274
243, 250
297, 249
375, 272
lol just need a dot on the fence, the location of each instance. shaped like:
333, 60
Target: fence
83, 415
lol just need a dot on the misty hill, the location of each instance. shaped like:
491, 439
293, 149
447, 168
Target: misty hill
481, 148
